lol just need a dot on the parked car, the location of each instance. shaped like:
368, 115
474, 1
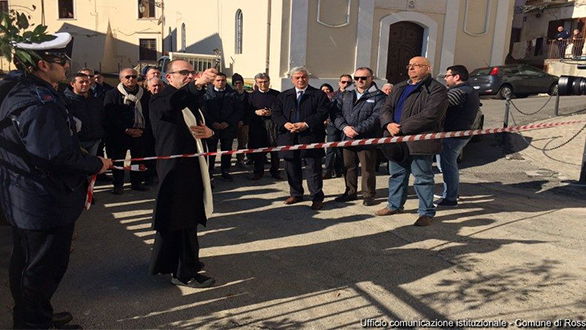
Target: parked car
518, 80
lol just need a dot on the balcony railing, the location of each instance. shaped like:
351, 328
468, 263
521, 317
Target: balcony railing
566, 48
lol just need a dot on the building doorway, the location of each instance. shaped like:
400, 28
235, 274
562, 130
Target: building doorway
405, 42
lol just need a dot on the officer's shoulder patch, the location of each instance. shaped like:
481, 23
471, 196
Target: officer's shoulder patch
45, 95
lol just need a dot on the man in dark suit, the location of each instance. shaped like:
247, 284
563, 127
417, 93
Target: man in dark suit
299, 114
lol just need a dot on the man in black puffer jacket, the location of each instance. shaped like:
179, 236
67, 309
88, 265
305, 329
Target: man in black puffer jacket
89, 110
357, 116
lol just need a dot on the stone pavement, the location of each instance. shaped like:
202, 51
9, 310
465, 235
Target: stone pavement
512, 250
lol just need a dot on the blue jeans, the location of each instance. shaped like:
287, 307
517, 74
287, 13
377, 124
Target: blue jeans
421, 167
448, 158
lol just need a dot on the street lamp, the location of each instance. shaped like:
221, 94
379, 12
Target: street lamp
142, 8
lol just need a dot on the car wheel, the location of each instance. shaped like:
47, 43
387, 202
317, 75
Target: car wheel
505, 92
553, 90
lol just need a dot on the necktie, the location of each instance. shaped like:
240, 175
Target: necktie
296, 114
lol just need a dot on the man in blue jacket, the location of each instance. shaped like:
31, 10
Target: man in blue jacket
44, 181
357, 116
224, 114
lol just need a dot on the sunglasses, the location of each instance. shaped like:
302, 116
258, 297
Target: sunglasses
346, 81
361, 78
133, 76
59, 59
184, 72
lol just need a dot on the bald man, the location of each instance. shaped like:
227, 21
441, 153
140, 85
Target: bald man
415, 106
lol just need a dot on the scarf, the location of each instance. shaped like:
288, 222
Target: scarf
134, 99
208, 201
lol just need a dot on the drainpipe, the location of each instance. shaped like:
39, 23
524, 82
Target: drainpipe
267, 60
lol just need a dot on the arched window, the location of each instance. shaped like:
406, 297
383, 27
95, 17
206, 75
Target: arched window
238, 32
183, 37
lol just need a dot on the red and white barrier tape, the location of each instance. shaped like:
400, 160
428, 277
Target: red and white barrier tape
351, 143
362, 142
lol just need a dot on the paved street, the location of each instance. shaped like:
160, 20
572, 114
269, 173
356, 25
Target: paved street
513, 249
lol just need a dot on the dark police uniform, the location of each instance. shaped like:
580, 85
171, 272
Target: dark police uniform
44, 181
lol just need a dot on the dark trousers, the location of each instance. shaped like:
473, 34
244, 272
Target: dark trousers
334, 161
38, 263
225, 144
117, 148
293, 168
260, 159
177, 253
367, 159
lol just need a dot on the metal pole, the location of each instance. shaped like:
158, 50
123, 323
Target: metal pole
505, 136
583, 170
557, 104
507, 109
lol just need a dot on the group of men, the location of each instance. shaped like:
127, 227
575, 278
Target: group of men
46, 172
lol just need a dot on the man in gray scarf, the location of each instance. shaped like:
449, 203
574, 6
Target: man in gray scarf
125, 124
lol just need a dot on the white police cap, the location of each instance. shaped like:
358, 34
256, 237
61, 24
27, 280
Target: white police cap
59, 44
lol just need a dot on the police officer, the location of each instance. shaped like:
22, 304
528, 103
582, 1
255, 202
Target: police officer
44, 177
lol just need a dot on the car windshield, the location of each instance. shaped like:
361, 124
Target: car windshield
480, 72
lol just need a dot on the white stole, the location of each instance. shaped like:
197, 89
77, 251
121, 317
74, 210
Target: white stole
208, 201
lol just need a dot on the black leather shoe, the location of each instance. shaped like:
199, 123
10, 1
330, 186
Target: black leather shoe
118, 190
139, 187
368, 201
345, 198
227, 177
61, 318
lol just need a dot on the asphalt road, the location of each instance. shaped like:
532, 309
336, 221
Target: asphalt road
535, 108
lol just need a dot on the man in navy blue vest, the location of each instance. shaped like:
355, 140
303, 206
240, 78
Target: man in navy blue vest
462, 109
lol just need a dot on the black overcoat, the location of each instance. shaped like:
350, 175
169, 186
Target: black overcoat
314, 108
261, 132
180, 196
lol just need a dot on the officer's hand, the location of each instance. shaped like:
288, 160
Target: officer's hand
300, 127
394, 128
106, 164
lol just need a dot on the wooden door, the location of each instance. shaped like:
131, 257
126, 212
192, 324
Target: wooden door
405, 42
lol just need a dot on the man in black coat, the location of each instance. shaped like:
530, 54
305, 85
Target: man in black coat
224, 115
89, 110
44, 182
357, 116
180, 204
299, 114
262, 131
125, 125
415, 106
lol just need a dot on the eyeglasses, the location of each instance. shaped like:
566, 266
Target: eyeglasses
345, 81
183, 72
133, 76
361, 78
409, 66
448, 75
